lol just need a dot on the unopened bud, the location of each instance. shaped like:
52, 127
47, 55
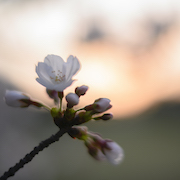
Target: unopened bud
106, 117
53, 95
17, 99
94, 150
72, 100
89, 107
102, 104
80, 91
60, 94
113, 152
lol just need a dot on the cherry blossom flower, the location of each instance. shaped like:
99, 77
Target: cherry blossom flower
55, 74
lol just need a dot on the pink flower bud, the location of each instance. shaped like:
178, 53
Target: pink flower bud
94, 150
97, 154
16, 99
72, 99
106, 117
104, 149
89, 107
53, 94
113, 152
80, 91
102, 104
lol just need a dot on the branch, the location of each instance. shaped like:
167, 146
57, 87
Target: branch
33, 153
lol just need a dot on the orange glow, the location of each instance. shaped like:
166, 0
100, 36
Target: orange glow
97, 74
134, 77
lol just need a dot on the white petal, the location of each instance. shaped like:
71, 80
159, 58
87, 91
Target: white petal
53, 61
63, 85
45, 83
42, 71
56, 62
72, 66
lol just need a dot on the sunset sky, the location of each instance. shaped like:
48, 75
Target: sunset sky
129, 50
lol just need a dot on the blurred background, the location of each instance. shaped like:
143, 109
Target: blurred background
129, 52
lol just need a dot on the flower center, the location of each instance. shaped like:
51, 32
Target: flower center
57, 77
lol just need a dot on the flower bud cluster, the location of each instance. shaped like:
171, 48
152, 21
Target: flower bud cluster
56, 75
70, 117
99, 148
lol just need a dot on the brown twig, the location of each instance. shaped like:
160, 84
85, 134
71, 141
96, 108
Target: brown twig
33, 153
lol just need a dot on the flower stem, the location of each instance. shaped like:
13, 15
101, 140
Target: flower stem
47, 108
42, 145
60, 95
40, 105
60, 107
79, 109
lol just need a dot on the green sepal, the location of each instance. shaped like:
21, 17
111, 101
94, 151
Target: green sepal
69, 114
55, 113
